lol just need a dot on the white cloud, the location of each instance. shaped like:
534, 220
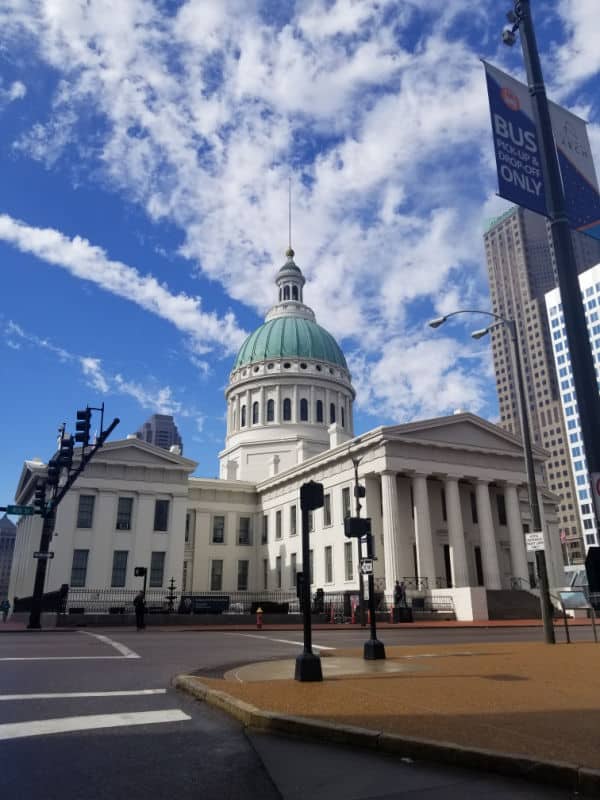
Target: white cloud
88, 262
579, 58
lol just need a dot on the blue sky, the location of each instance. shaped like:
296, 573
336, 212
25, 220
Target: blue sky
145, 152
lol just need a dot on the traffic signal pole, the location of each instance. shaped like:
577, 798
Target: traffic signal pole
48, 512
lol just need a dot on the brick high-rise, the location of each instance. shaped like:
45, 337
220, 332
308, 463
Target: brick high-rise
520, 261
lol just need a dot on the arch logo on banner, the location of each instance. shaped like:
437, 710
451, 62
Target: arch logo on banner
520, 178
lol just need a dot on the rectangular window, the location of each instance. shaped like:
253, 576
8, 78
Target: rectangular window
293, 526
265, 573
244, 531
161, 515
216, 575
501, 504
242, 582
293, 569
278, 571
157, 568
329, 564
119, 568
346, 511
348, 560
474, 516
79, 567
124, 512
218, 532
85, 512
444, 510
265, 530
327, 509
278, 524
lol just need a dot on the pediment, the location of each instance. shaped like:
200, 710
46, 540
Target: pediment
136, 452
466, 430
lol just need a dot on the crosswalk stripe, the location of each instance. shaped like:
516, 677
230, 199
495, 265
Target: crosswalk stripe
43, 727
120, 648
285, 641
62, 695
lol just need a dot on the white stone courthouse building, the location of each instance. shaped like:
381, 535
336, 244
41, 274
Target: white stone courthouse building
447, 497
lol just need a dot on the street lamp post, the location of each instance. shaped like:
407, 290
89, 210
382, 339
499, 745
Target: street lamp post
582, 360
534, 506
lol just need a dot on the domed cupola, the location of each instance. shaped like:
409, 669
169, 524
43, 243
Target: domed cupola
290, 393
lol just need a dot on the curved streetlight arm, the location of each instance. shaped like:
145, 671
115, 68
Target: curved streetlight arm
435, 323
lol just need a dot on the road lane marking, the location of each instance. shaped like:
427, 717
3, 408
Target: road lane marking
43, 727
120, 648
283, 641
61, 695
63, 658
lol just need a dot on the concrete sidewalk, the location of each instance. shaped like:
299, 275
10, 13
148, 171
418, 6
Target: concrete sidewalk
522, 709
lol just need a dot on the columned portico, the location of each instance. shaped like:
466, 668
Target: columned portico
423, 537
391, 528
489, 553
456, 535
518, 555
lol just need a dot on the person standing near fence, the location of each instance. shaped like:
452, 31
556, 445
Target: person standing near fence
139, 603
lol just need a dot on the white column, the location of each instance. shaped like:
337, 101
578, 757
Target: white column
424, 539
248, 409
238, 421
456, 534
391, 529
262, 411
518, 554
295, 410
311, 411
487, 537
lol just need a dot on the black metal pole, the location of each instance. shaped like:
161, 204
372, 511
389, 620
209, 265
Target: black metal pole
373, 649
35, 614
534, 505
361, 583
582, 362
308, 665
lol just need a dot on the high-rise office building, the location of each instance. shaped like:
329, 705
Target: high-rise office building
520, 261
161, 431
589, 282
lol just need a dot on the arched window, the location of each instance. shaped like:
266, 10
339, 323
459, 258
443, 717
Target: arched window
342, 416
287, 410
243, 417
286, 292
304, 409
319, 411
255, 413
294, 292
270, 410
332, 413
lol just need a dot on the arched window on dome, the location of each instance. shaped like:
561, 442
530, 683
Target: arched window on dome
255, 413
319, 411
243, 417
286, 292
287, 410
294, 292
342, 416
304, 410
270, 410
332, 413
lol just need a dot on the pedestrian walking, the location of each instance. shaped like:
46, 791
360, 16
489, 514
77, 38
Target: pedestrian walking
5, 608
139, 603
397, 594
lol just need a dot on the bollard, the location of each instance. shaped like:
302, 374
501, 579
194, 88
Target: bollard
259, 613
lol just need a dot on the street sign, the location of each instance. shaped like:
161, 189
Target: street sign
24, 511
37, 554
366, 566
534, 541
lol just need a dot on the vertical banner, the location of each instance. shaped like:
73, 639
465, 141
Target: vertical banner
520, 177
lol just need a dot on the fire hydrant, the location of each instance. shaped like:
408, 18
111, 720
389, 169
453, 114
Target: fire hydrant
259, 613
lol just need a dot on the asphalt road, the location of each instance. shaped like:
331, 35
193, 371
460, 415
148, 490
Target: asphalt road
92, 715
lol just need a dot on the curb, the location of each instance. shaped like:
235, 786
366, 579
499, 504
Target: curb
583, 780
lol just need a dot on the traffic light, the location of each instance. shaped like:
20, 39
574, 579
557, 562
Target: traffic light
357, 527
65, 453
39, 499
53, 472
82, 426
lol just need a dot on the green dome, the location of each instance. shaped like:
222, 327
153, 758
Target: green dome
290, 337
